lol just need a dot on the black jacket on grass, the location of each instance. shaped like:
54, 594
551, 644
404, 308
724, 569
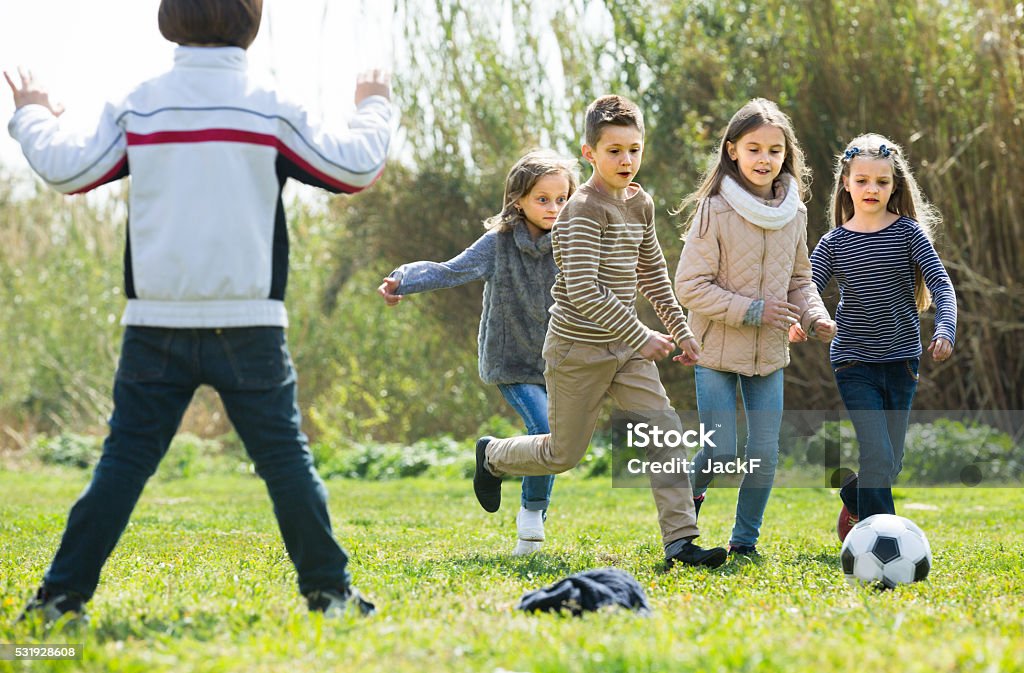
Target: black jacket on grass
588, 591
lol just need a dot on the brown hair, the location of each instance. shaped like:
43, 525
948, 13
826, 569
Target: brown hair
229, 22
534, 165
906, 198
611, 111
756, 113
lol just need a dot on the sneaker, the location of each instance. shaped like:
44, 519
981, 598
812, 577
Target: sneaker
51, 606
526, 547
698, 500
530, 525
845, 523
688, 553
338, 603
748, 550
848, 490
486, 486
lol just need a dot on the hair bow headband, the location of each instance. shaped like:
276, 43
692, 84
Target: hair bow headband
883, 151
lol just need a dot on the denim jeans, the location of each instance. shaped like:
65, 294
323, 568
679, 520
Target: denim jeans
530, 400
158, 373
716, 407
878, 396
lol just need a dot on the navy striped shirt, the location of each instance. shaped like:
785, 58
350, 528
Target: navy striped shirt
877, 316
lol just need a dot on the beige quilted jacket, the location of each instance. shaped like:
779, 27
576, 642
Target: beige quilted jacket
727, 263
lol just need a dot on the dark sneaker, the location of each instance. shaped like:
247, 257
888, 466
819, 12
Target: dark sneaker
340, 603
848, 491
692, 555
697, 502
748, 550
845, 523
486, 486
51, 606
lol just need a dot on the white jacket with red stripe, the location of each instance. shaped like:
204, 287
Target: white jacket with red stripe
208, 151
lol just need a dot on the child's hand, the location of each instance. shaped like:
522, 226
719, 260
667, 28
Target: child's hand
824, 330
797, 334
657, 347
372, 83
940, 349
690, 354
30, 93
779, 314
387, 290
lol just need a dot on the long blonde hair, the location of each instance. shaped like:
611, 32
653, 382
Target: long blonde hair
906, 198
756, 113
533, 165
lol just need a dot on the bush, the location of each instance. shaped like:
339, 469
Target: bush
69, 449
191, 455
188, 455
441, 456
373, 374
60, 299
942, 452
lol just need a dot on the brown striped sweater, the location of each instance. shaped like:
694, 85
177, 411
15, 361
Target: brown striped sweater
606, 249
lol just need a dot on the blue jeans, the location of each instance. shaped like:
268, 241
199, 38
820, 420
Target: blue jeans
158, 373
762, 404
530, 400
878, 396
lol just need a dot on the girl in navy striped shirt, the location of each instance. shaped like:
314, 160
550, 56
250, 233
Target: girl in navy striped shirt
881, 254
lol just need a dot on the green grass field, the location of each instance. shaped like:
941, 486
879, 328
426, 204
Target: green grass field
200, 581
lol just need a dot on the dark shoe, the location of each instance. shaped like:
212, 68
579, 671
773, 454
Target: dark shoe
51, 606
845, 523
697, 502
750, 551
486, 486
848, 490
692, 555
340, 603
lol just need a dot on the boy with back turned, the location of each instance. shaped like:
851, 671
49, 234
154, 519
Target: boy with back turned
206, 265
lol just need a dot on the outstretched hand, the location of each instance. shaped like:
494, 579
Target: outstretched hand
372, 83
387, 290
30, 93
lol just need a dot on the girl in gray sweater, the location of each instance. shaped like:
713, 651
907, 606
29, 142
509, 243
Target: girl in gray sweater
514, 259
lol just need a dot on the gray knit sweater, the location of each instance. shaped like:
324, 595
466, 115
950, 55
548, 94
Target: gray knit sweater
519, 273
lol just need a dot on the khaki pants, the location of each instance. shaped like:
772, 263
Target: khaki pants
578, 376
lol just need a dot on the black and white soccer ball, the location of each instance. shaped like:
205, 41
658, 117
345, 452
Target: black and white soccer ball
886, 550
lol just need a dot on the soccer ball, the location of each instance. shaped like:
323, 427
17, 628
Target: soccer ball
887, 550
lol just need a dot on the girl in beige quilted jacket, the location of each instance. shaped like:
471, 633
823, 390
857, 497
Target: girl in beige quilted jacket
745, 277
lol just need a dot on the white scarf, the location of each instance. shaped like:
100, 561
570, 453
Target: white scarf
755, 210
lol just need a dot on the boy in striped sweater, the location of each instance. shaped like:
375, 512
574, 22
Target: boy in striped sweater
606, 249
